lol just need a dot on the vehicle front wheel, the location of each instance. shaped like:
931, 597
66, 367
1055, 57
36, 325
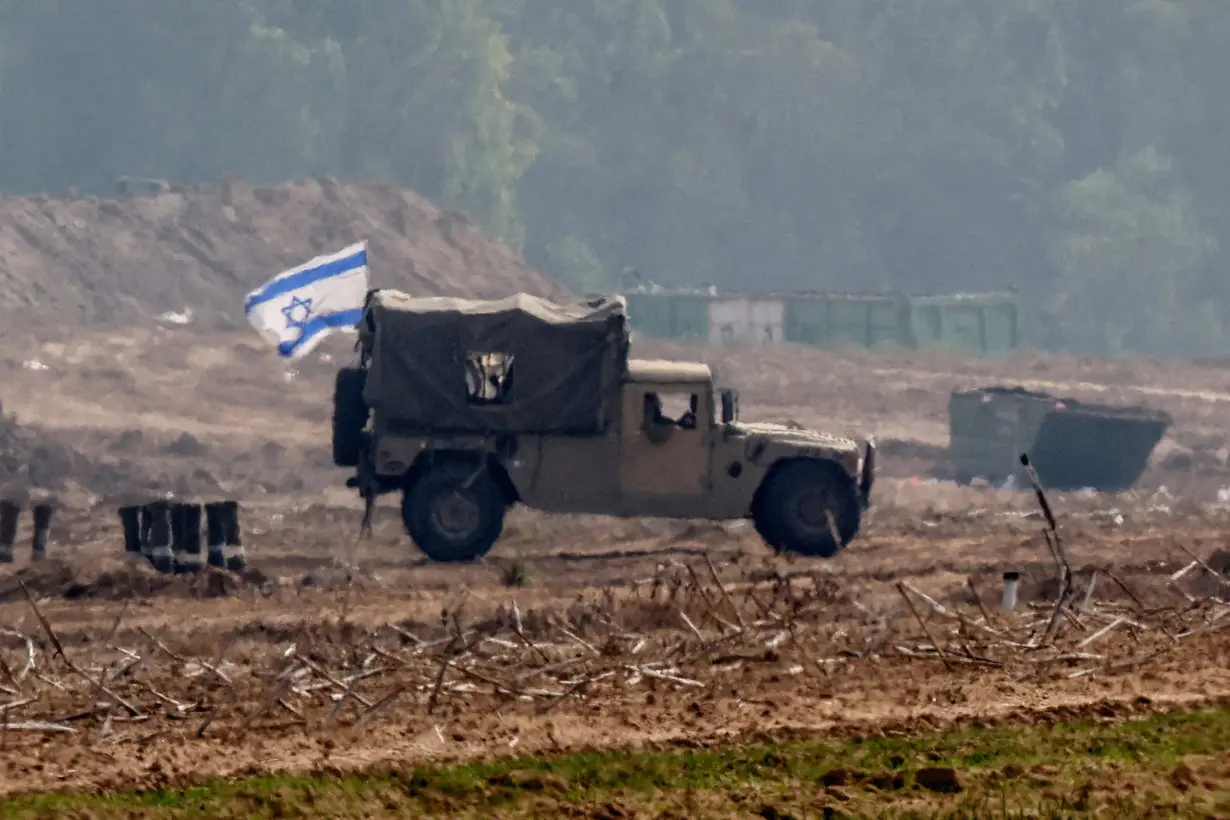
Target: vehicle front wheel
449, 521
793, 509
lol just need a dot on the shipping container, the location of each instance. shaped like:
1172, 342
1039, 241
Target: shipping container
982, 324
986, 323
669, 314
827, 320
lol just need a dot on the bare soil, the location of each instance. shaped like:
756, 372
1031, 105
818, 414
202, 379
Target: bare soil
65, 263
617, 632
213, 415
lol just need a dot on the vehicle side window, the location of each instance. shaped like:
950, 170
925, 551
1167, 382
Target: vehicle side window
672, 408
489, 378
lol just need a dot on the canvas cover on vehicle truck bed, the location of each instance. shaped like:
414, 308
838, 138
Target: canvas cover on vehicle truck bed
563, 376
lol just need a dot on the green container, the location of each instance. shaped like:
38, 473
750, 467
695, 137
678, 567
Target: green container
827, 320
669, 314
650, 315
1072, 445
980, 324
689, 316
984, 324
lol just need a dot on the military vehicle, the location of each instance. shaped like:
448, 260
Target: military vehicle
467, 407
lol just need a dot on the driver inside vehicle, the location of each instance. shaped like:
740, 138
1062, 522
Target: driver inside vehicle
688, 420
654, 415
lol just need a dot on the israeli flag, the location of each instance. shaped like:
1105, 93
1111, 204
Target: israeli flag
299, 307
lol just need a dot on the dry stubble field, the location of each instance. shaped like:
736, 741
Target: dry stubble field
608, 669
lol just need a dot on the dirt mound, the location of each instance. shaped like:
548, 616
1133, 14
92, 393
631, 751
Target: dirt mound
91, 259
120, 581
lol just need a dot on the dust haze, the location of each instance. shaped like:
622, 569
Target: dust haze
1075, 155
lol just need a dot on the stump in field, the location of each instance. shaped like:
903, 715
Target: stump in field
188, 542
236, 559
161, 554
9, 515
215, 534
130, 520
43, 515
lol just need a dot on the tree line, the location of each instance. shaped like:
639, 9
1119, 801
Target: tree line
1074, 151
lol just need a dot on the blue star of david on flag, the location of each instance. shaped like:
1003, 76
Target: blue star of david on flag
300, 306
297, 312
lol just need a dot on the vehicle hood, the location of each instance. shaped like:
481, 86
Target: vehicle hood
784, 435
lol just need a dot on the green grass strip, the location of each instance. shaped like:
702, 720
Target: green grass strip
813, 778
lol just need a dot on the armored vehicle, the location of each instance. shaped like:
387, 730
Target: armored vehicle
467, 407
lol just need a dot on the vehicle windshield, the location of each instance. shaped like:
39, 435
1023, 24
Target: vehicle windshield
717, 405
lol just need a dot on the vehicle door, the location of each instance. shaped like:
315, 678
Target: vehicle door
659, 456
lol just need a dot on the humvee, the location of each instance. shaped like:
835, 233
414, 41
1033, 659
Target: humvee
467, 407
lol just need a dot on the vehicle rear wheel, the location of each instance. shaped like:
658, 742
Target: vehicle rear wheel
349, 416
448, 521
794, 508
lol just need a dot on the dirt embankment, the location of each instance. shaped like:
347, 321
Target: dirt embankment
81, 261
79, 273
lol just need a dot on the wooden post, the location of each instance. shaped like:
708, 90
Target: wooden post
176, 510
188, 556
147, 526
130, 518
10, 512
236, 560
160, 552
43, 514
215, 534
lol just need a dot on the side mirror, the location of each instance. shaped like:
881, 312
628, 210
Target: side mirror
729, 409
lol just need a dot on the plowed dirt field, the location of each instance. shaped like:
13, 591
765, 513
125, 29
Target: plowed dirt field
333, 655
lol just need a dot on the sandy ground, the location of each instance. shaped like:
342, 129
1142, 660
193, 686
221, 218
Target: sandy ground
330, 652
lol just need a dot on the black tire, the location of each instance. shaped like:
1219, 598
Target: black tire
477, 513
790, 510
349, 416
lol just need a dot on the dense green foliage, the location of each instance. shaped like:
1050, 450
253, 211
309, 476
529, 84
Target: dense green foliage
1075, 151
